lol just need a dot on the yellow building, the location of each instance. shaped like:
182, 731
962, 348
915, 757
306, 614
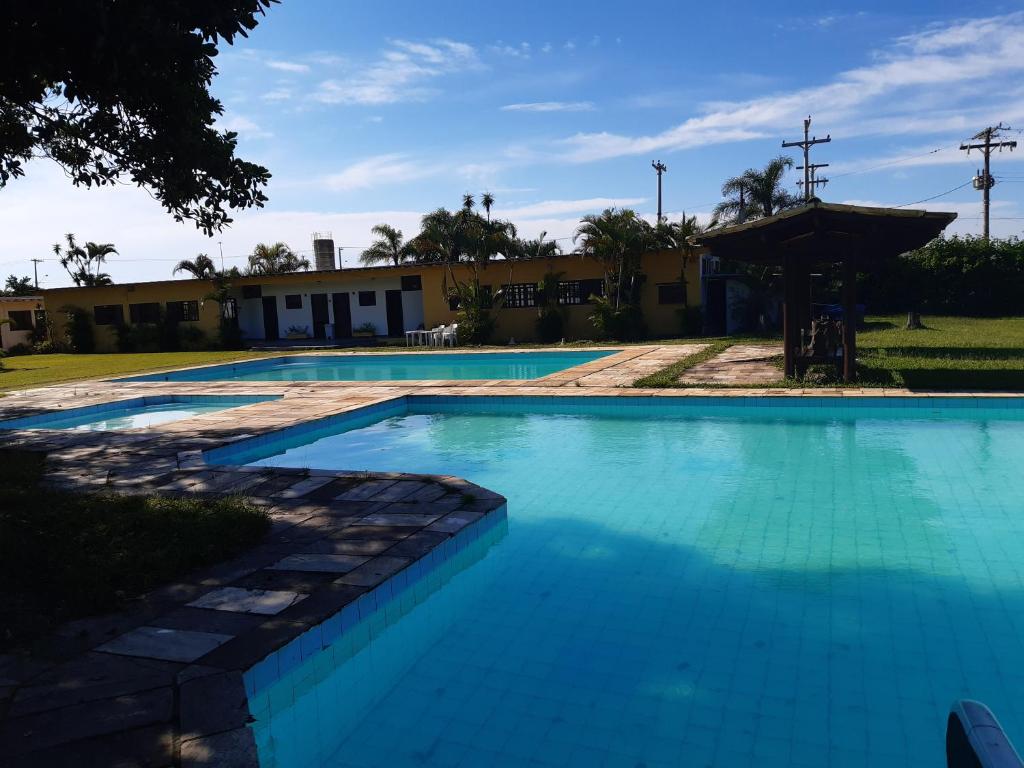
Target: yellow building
19, 315
333, 304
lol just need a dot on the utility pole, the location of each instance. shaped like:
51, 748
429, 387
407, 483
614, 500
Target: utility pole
221, 245
814, 182
808, 142
984, 180
660, 168
35, 270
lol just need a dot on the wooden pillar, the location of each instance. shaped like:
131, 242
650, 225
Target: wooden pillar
849, 320
790, 315
803, 296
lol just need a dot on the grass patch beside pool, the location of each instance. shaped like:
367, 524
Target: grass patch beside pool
26, 371
65, 555
669, 377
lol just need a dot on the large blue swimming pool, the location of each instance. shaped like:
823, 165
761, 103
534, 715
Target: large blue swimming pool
406, 366
793, 582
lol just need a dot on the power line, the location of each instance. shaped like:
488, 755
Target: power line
935, 197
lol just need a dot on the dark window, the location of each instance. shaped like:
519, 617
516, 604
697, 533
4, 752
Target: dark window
412, 283
367, 298
252, 291
229, 309
21, 319
293, 301
521, 295
108, 314
579, 291
671, 293
183, 311
146, 312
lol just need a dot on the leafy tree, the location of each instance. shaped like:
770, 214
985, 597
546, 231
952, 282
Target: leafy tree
487, 201
617, 238
678, 236
756, 193
83, 262
276, 259
201, 268
550, 317
19, 286
111, 90
388, 248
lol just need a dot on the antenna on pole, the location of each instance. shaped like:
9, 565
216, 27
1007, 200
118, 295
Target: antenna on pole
221, 245
35, 270
659, 168
808, 142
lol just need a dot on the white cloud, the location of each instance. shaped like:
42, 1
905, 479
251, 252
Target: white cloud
278, 94
400, 73
549, 208
521, 51
922, 70
550, 106
288, 66
377, 171
244, 127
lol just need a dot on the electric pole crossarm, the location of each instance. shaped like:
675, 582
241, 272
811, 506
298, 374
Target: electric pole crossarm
808, 142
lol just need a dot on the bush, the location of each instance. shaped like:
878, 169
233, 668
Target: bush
78, 330
550, 325
139, 338
955, 275
19, 349
50, 347
191, 339
229, 335
622, 323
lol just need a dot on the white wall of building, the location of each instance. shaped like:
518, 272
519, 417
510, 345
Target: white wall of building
250, 311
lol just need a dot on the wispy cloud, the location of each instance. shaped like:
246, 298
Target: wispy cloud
522, 51
550, 106
244, 127
379, 170
400, 74
560, 207
288, 66
924, 69
277, 94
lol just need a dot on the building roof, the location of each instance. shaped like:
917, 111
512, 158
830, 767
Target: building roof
819, 232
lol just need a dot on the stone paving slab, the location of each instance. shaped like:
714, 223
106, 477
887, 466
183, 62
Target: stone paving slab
739, 365
165, 644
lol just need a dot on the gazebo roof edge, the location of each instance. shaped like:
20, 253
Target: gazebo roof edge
862, 210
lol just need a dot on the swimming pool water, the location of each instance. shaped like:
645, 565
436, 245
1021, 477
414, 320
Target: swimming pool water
682, 584
406, 366
131, 414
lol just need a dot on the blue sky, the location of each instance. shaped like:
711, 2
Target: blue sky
380, 112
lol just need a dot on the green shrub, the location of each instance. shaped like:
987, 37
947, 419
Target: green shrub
229, 335
550, 325
78, 330
19, 349
144, 337
622, 323
50, 347
192, 339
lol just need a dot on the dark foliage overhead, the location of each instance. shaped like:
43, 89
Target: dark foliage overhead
120, 90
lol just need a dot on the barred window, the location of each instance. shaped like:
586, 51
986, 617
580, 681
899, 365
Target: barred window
579, 291
108, 314
146, 312
183, 311
521, 295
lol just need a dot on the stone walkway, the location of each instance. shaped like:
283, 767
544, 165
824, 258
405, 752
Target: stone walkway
739, 365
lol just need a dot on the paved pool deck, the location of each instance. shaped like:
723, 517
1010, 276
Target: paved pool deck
162, 683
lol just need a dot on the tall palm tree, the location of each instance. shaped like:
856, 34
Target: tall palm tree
617, 238
201, 268
468, 202
487, 200
388, 248
756, 193
83, 262
275, 259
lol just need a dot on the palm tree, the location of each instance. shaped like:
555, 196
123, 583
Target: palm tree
487, 200
539, 248
468, 202
616, 238
83, 262
756, 193
389, 248
201, 268
275, 259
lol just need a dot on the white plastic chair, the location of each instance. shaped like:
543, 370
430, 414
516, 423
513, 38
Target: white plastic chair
437, 336
450, 335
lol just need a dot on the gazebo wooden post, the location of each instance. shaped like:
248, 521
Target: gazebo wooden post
790, 315
849, 320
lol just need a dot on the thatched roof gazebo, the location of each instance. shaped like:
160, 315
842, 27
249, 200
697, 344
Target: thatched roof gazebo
858, 237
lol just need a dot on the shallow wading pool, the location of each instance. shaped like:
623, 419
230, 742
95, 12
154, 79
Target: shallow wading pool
405, 366
683, 582
134, 413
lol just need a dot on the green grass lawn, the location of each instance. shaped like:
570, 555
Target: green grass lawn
64, 555
26, 371
952, 353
